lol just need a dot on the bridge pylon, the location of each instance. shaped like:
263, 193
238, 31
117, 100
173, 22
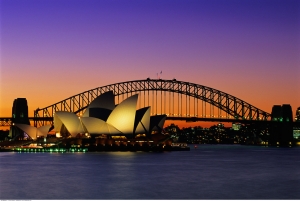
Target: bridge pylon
281, 130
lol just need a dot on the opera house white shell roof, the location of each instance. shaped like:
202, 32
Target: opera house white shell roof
69, 120
34, 132
118, 119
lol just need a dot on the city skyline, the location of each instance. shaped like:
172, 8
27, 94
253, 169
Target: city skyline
51, 50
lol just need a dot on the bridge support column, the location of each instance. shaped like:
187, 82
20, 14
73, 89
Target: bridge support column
281, 128
19, 116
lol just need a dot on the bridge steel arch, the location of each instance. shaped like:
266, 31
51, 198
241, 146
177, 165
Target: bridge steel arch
231, 105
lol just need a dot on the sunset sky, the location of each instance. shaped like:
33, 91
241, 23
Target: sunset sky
54, 49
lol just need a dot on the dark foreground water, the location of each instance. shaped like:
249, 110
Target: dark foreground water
209, 172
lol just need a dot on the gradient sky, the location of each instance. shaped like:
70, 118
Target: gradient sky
54, 49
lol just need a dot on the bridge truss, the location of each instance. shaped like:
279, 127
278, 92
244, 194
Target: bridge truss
171, 97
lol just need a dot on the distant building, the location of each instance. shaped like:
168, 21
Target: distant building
236, 126
296, 133
220, 125
297, 117
172, 129
296, 130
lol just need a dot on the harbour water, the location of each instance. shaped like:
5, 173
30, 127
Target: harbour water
208, 172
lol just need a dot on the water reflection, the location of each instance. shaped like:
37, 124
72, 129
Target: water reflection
208, 172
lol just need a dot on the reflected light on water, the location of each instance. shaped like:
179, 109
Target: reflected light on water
208, 172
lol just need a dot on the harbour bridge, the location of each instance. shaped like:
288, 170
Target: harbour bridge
179, 100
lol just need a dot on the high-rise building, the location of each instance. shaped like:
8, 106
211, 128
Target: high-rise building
236, 126
296, 130
297, 117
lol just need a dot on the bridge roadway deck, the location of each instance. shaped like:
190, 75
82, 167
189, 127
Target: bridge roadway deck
6, 121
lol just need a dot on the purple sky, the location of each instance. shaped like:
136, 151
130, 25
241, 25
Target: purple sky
53, 49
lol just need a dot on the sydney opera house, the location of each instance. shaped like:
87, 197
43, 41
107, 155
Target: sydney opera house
102, 117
